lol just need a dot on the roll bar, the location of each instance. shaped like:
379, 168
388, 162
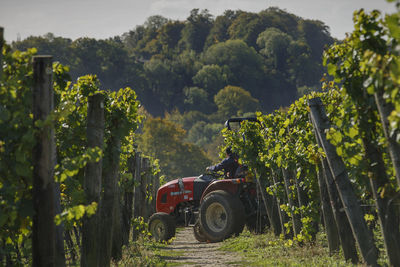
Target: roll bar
239, 120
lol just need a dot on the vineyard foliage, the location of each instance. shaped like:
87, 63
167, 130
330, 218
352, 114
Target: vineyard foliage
69, 118
16, 145
366, 63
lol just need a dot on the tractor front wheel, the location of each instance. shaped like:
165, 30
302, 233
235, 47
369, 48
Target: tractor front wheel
162, 226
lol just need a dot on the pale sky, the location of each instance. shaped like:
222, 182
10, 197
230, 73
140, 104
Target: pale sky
102, 19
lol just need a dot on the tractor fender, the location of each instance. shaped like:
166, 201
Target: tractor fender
229, 185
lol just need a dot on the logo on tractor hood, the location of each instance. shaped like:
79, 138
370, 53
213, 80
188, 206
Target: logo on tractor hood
180, 192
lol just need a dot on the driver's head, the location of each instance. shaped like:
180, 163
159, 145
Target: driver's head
228, 151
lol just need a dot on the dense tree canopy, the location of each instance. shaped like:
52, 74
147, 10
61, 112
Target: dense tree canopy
188, 69
196, 30
212, 78
274, 44
266, 52
235, 101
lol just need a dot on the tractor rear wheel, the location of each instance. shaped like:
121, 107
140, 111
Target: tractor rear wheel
218, 216
162, 226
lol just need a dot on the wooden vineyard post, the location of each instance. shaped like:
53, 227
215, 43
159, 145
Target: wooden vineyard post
342, 222
302, 196
150, 191
136, 195
378, 178
1, 51
271, 210
346, 237
296, 220
144, 180
137, 192
275, 211
60, 251
128, 203
352, 208
44, 156
329, 220
142, 188
92, 180
384, 110
282, 214
107, 209
155, 186
117, 239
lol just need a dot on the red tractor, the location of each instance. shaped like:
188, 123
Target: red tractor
217, 208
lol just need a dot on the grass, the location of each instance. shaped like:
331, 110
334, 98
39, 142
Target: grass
146, 252
268, 250
254, 250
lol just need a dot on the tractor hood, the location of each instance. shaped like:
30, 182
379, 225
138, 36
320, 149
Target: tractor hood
173, 193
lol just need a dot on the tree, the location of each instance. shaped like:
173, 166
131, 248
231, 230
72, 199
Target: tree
187, 119
85, 55
169, 35
203, 133
144, 39
105, 58
132, 38
155, 22
163, 139
243, 62
316, 33
274, 44
233, 101
212, 78
246, 27
219, 30
163, 83
186, 65
48, 44
196, 30
303, 70
197, 99
280, 19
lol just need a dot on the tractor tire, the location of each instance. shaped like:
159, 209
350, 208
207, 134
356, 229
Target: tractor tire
162, 226
218, 216
199, 233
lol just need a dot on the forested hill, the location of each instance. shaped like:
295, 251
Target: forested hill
273, 55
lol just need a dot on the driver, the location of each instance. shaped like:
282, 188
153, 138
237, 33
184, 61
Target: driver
229, 164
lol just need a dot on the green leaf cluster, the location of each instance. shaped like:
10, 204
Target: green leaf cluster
16, 145
69, 119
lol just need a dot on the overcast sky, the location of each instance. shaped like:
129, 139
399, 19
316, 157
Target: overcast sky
106, 18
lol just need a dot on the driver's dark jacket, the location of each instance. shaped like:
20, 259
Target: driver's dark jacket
229, 165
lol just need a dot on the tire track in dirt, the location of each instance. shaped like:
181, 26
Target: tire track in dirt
193, 253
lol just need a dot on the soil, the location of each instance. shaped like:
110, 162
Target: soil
193, 253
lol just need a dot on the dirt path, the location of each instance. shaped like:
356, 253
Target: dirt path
193, 253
